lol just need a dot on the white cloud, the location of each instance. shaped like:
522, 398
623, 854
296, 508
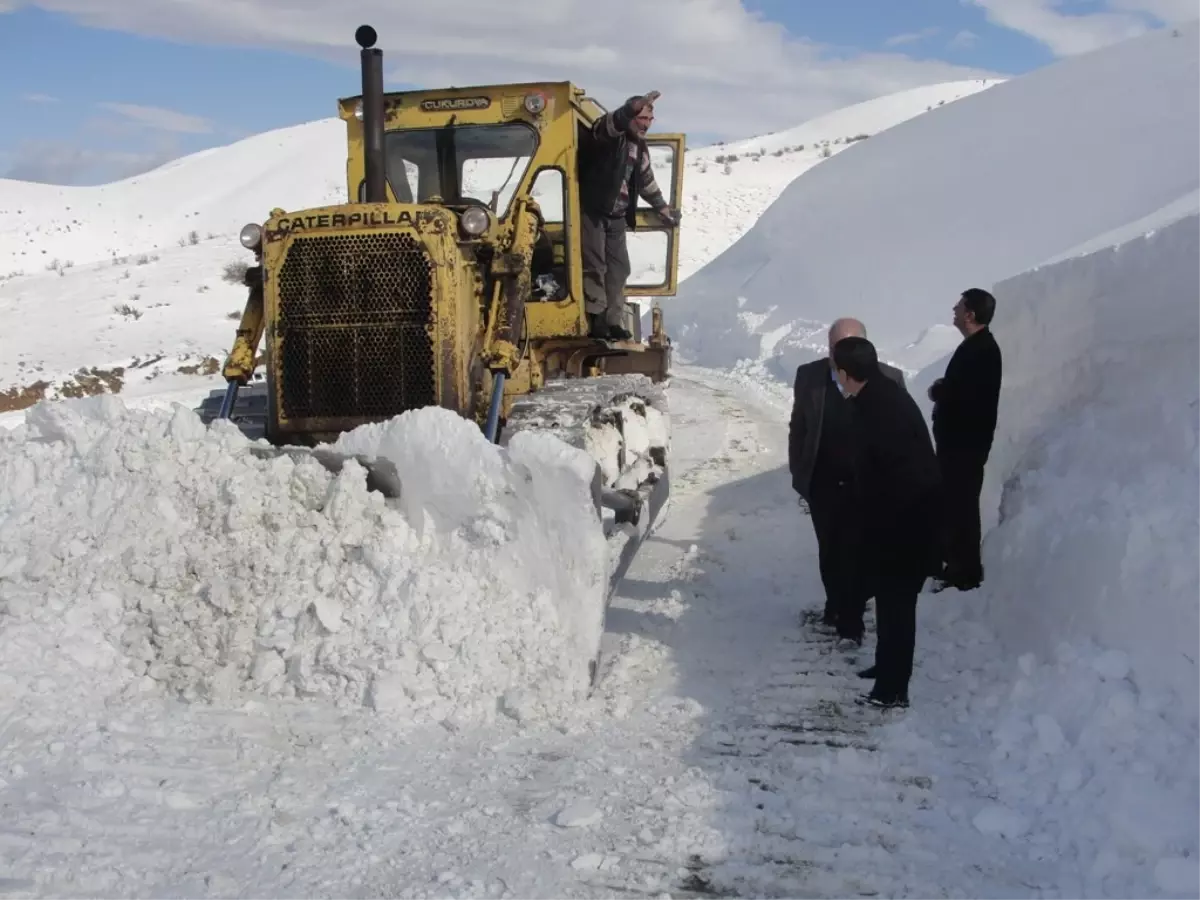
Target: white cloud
159, 119
963, 40
1170, 12
911, 37
721, 69
1070, 34
104, 148
66, 162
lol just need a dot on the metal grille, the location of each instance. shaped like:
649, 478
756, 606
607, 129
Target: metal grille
353, 317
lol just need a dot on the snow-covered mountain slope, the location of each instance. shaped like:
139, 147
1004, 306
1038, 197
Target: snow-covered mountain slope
967, 194
140, 326
845, 126
728, 186
196, 198
136, 265
1165, 215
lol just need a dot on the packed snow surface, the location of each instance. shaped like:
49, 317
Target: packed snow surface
481, 588
896, 227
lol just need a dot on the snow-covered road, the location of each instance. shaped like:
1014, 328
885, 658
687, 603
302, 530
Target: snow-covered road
721, 754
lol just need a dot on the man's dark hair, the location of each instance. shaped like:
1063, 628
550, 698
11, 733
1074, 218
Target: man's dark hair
856, 357
979, 303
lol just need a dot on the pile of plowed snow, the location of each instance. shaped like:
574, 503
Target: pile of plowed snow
140, 551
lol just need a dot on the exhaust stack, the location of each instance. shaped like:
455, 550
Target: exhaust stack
372, 114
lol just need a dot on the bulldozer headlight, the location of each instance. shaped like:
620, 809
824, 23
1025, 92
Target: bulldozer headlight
475, 220
358, 110
535, 103
251, 236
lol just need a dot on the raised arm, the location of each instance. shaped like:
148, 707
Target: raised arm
612, 125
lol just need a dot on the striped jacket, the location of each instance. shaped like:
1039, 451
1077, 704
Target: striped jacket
613, 166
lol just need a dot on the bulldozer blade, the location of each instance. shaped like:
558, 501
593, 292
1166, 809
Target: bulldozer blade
636, 515
626, 505
381, 473
631, 528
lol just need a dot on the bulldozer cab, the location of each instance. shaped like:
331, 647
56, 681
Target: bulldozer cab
490, 146
457, 164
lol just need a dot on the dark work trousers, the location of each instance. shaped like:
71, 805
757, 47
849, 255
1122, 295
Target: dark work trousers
961, 532
834, 521
605, 267
896, 623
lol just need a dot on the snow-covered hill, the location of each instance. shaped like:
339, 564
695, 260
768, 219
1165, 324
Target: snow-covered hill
137, 264
728, 186
967, 194
200, 198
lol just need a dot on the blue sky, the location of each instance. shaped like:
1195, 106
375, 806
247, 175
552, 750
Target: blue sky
97, 90
871, 24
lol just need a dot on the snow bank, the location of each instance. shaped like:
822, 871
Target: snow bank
896, 227
1094, 479
1093, 502
140, 552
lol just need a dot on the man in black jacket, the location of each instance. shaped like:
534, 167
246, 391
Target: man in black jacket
821, 459
897, 491
614, 170
965, 404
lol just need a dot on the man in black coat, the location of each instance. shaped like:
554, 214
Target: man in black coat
897, 489
821, 459
614, 170
965, 404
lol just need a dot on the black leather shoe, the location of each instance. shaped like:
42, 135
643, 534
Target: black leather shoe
883, 702
597, 328
618, 333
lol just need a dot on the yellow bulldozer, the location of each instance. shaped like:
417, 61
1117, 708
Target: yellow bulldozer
453, 277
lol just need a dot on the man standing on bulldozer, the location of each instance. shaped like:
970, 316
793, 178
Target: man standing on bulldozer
614, 169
